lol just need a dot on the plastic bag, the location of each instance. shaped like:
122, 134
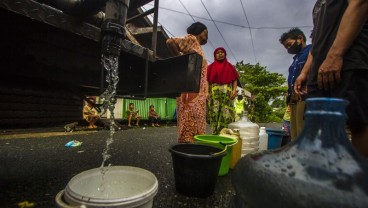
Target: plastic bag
73, 143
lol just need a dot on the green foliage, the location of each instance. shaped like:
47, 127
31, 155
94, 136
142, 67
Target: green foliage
278, 114
278, 103
267, 89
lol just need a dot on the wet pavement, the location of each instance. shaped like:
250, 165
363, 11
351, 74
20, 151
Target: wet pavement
35, 166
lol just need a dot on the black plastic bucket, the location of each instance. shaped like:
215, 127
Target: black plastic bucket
196, 168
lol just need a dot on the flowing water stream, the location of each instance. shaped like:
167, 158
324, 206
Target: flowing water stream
110, 64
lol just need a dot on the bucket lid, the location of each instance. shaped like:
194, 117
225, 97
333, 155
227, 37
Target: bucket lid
216, 139
122, 185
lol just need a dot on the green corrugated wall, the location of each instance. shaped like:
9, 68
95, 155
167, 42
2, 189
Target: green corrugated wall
165, 107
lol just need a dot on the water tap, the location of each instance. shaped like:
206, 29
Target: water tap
113, 28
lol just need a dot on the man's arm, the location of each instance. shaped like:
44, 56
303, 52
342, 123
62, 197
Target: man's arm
300, 85
234, 92
355, 15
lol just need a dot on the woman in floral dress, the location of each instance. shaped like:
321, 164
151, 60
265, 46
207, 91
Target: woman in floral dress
191, 107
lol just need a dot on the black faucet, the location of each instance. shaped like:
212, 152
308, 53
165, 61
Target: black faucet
113, 28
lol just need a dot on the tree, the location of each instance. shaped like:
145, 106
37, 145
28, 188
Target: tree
267, 88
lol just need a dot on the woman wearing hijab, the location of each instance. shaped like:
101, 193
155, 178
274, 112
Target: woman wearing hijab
222, 78
191, 107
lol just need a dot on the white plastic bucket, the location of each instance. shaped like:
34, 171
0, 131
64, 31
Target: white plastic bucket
124, 187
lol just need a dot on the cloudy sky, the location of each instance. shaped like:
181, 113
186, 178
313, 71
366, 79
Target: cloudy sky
248, 29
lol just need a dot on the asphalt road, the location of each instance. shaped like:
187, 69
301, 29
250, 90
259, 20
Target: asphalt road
34, 167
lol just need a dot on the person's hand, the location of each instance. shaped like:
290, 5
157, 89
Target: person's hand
233, 94
208, 96
300, 86
329, 72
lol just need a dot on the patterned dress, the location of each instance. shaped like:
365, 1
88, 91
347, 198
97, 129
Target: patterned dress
191, 107
221, 109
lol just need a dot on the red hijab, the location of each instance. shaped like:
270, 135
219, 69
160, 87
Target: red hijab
221, 72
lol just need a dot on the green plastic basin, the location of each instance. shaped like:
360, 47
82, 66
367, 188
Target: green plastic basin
219, 142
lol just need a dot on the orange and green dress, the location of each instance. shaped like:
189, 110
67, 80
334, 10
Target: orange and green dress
191, 107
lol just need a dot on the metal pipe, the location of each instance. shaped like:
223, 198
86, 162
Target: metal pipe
148, 12
102, 80
154, 33
113, 28
146, 68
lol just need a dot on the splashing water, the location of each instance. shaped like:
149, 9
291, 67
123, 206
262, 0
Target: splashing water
110, 64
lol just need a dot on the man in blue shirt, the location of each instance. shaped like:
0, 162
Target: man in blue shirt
294, 42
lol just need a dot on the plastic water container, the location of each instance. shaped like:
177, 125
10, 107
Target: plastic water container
263, 139
236, 148
320, 168
122, 187
249, 133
